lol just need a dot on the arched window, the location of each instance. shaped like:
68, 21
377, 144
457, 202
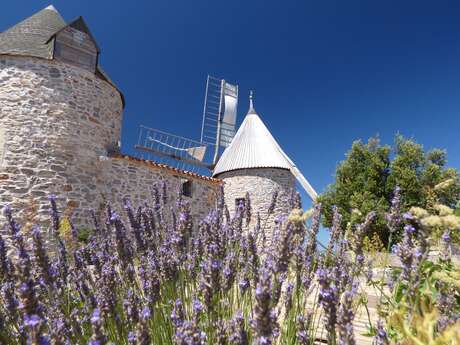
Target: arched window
187, 188
240, 201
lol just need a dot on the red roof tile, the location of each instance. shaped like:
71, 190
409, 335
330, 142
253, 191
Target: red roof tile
171, 169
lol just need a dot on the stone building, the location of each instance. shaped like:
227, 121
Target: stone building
256, 164
60, 127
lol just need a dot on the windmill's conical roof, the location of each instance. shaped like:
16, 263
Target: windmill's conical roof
252, 147
31, 36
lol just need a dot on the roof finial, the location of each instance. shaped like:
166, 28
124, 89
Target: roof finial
51, 8
251, 104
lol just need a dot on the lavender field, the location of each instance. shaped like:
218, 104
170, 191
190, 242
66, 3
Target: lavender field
165, 278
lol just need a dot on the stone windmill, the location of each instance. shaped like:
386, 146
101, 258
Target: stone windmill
255, 163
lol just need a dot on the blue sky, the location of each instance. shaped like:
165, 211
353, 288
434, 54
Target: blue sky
325, 73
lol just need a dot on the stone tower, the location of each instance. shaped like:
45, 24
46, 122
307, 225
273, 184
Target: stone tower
59, 113
255, 163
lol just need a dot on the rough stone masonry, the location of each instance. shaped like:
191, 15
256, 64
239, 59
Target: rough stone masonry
58, 124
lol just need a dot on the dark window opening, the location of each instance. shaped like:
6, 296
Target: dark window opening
240, 201
74, 56
77, 48
187, 188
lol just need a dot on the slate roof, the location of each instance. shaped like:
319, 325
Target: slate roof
31, 36
34, 37
79, 24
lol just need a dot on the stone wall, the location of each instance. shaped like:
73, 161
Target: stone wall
131, 178
2, 144
260, 183
57, 120
57, 123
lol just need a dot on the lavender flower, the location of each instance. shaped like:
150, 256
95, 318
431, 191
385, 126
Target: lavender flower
143, 332
272, 206
34, 324
156, 198
188, 333
345, 319
311, 246
10, 301
381, 337
446, 304
135, 225
295, 200
238, 334
446, 239
336, 230
229, 271
164, 192
303, 325
405, 252
247, 209
283, 249
41, 257
115, 282
123, 245
6, 267
63, 262
328, 299
244, 285
221, 333
253, 259
264, 323
288, 297
394, 215
177, 315
98, 337
131, 307
197, 307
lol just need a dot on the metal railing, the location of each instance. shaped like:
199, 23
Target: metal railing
170, 146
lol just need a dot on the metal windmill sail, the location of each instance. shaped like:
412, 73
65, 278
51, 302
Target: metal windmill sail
219, 114
218, 130
254, 147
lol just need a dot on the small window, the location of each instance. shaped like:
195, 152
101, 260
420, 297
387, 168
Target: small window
187, 188
240, 201
77, 48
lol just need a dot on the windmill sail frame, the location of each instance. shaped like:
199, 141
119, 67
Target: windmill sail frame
219, 114
217, 131
163, 144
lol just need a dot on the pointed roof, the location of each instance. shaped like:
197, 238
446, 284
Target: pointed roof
254, 147
52, 8
31, 36
80, 25
34, 37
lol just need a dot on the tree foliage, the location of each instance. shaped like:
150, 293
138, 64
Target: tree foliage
366, 179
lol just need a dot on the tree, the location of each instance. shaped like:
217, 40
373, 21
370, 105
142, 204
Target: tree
366, 179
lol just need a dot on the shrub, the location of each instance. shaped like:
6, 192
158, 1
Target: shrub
366, 179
